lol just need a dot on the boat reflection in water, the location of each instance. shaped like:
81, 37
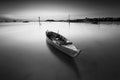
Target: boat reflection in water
61, 43
69, 61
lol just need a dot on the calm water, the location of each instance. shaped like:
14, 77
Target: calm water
25, 55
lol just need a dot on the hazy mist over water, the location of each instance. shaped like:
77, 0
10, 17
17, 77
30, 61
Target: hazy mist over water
25, 54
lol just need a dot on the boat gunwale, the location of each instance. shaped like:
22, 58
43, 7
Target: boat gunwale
60, 47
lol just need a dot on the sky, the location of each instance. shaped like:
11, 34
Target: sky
59, 9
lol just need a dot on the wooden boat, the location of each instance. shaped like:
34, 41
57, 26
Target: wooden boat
61, 43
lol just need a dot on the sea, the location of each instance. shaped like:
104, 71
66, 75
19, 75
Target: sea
26, 55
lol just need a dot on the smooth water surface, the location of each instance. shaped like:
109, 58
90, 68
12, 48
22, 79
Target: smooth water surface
25, 54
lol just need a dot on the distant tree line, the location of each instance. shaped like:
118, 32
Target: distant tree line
13, 20
91, 20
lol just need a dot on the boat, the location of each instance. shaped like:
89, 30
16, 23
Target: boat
61, 43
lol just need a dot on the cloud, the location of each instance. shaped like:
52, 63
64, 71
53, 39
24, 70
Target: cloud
34, 8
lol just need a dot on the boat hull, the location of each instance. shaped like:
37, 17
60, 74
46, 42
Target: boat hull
67, 51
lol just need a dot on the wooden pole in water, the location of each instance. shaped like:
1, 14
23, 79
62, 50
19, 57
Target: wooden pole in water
69, 24
99, 22
39, 21
69, 20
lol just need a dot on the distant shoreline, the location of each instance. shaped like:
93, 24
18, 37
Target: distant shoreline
88, 20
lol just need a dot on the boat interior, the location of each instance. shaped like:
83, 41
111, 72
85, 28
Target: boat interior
58, 38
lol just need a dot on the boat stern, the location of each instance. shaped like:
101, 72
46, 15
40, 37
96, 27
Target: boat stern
77, 53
